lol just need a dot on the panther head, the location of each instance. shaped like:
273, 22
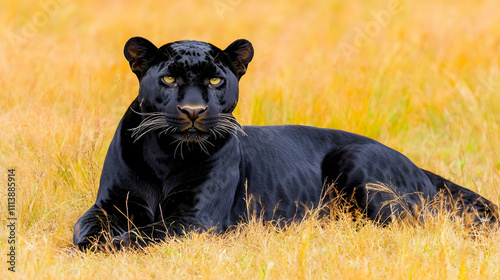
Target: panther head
188, 89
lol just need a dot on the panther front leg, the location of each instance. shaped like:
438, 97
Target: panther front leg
140, 237
96, 227
110, 230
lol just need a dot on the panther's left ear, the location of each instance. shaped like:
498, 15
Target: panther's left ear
241, 53
139, 51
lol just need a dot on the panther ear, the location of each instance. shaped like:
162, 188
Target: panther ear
240, 53
139, 51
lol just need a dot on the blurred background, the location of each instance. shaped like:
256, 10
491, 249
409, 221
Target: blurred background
420, 76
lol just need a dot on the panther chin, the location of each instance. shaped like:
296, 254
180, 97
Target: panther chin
191, 135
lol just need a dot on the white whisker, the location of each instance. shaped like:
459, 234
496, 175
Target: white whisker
227, 125
152, 121
178, 146
203, 147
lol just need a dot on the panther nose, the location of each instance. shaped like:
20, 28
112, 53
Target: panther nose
192, 113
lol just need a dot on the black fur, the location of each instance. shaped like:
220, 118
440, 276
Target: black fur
180, 161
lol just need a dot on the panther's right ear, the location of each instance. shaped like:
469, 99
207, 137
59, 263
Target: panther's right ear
139, 51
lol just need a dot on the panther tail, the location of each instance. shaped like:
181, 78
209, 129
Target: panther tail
475, 209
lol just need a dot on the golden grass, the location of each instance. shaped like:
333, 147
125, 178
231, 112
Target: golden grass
426, 81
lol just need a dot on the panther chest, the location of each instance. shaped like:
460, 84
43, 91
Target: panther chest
201, 193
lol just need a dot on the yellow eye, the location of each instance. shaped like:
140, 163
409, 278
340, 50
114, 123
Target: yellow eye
169, 79
215, 81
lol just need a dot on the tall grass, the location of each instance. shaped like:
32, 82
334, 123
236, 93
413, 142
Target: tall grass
425, 81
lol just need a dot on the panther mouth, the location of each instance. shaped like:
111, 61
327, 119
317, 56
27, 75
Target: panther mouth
192, 135
193, 128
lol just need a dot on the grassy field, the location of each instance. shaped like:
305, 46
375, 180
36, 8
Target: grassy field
422, 77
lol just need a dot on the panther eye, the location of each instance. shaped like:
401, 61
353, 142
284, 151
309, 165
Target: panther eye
169, 79
215, 81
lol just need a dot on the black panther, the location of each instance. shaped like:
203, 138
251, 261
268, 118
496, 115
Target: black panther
179, 160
